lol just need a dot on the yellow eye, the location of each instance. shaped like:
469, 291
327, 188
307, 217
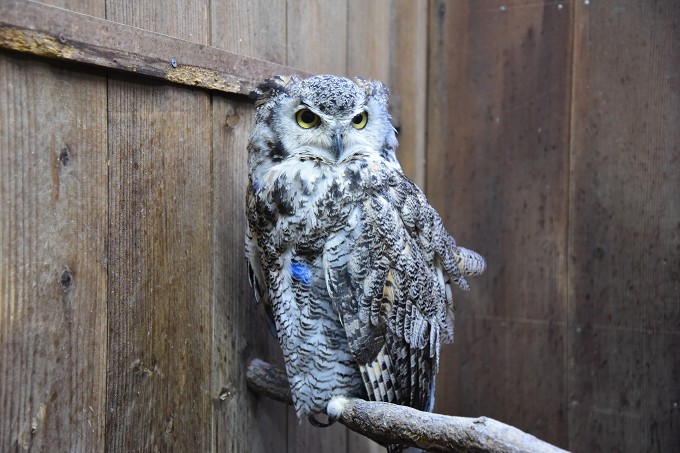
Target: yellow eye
306, 119
359, 121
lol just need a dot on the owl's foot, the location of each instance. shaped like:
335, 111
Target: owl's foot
319, 424
334, 410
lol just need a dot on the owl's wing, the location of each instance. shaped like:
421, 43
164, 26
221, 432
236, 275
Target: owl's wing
389, 273
255, 273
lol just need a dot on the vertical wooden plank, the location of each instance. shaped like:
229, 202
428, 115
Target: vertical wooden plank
243, 421
254, 28
160, 249
53, 228
159, 267
317, 35
387, 41
303, 437
95, 8
368, 39
408, 84
184, 20
624, 234
497, 172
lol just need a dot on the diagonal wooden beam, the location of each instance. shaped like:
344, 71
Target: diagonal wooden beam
48, 31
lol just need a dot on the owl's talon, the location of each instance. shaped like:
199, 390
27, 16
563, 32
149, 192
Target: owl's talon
319, 424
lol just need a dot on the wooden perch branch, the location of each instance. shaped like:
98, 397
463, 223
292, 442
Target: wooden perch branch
388, 423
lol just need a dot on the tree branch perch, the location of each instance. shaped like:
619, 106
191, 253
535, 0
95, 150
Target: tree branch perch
388, 423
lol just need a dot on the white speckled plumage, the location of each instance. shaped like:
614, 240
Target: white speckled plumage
352, 264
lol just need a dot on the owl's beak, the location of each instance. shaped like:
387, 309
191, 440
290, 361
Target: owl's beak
337, 143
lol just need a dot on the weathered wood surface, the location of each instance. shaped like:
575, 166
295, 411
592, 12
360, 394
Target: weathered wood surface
624, 229
53, 230
317, 35
387, 41
255, 28
394, 424
408, 83
497, 163
160, 251
47, 31
243, 422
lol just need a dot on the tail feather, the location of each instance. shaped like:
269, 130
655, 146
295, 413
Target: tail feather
379, 379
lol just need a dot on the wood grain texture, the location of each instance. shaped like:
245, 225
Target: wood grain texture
50, 32
243, 421
368, 39
387, 41
304, 437
96, 8
498, 135
409, 85
53, 229
496, 367
160, 246
254, 28
624, 235
184, 20
317, 36
160, 250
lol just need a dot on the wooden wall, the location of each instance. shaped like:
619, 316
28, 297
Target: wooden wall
554, 150
544, 132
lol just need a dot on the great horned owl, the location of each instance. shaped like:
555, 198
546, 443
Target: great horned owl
352, 264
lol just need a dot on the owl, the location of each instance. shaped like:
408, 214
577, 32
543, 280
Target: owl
353, 266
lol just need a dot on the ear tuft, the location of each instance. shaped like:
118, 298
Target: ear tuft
270, 88
372, 87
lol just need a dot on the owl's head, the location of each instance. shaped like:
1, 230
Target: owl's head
326, 118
